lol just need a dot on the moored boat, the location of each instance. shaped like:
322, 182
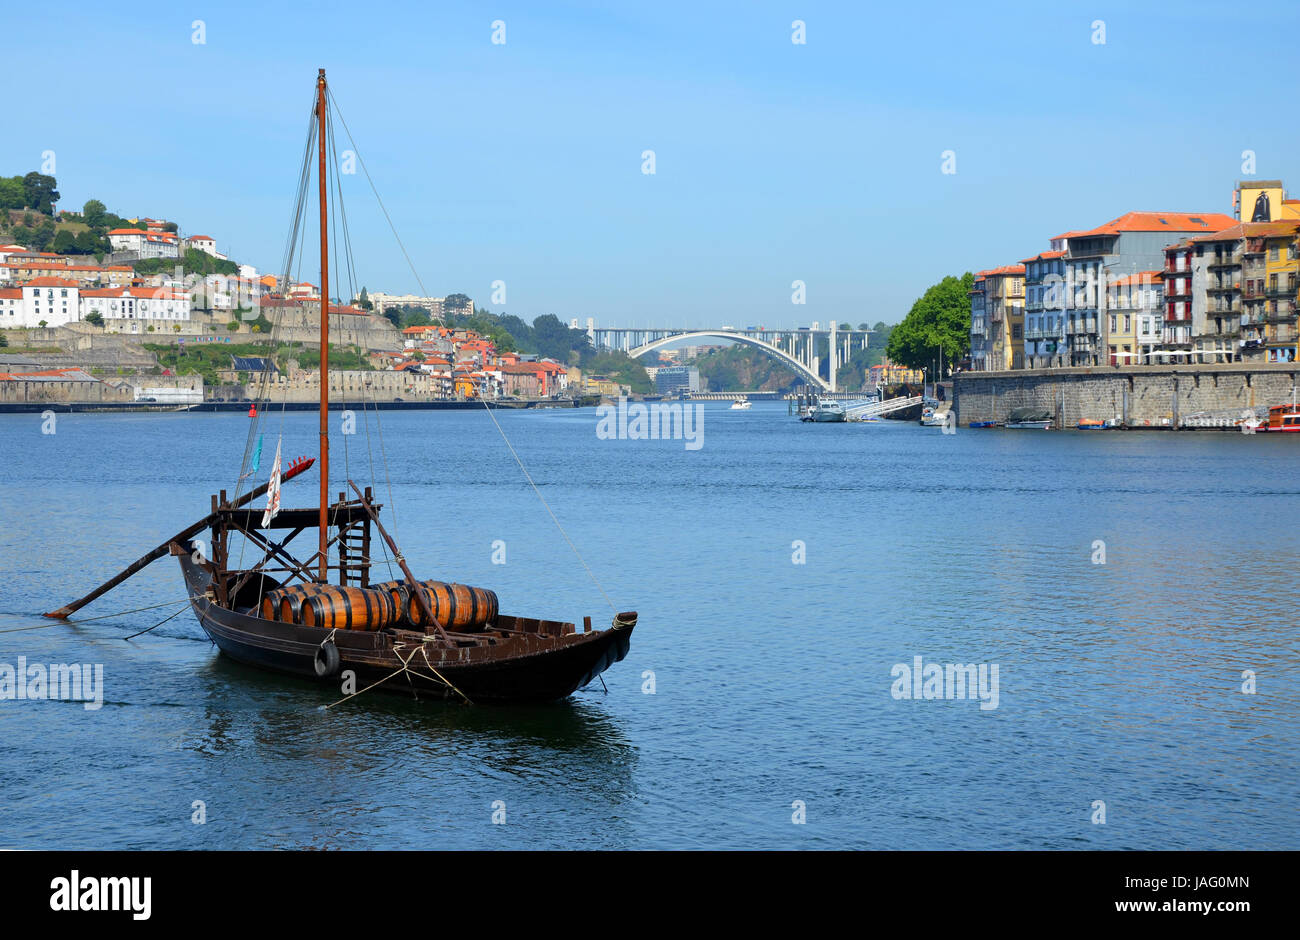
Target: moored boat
1281, 419
1034, 419
826, 411
933, 418
319, 614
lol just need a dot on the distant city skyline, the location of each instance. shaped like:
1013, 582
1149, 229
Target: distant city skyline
774, 161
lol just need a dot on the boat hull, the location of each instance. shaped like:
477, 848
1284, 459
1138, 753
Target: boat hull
523, 668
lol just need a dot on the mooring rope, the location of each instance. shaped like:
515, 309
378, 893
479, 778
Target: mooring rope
156, 625
527, 476
406, 668
120, 613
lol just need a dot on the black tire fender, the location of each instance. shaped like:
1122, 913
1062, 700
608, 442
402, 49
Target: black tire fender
327, 659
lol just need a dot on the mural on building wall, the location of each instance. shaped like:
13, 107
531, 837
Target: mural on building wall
1262, 212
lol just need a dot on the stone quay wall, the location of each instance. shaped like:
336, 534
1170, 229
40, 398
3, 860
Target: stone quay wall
1136, 396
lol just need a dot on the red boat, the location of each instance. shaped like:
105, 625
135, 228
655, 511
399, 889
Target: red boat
1285, 418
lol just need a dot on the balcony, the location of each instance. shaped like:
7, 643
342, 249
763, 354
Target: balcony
978, 326
1224, 260
1083, 327
1280, 290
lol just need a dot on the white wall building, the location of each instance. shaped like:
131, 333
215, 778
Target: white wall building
204, 244
116, 304
147, 244
54, 300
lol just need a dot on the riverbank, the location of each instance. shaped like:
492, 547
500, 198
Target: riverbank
1134, 397
134, 407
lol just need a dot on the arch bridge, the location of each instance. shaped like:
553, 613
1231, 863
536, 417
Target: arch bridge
796, 348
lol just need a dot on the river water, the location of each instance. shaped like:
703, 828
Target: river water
1127, 587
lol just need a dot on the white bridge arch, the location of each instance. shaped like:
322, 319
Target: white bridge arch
748, 340
796, 348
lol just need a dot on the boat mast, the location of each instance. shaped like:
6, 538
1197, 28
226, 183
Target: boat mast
324, 334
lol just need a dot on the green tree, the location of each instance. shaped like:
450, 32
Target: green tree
65, 243
12, 194
93, 213
41, 236
458, 304
939, 320
364, 301
95, 318
39, 192
88, 243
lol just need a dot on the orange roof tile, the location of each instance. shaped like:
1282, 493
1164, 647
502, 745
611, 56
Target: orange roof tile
1251, 230
51, 282
1160, 222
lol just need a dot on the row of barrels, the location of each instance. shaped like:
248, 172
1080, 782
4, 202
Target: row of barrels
457, 607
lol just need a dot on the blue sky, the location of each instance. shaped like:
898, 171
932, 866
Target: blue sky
774, 161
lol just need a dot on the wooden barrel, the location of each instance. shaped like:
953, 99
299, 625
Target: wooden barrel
348, 608
457, 607
289, 600
400, 594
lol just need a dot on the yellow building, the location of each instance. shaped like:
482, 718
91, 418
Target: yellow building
889, 373
1003, 299
1264, 201
1281, 283
603, 385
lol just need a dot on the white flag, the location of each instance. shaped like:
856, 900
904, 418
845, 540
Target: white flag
273, 491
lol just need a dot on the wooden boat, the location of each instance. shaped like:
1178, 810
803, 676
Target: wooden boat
1091, 424
321, 616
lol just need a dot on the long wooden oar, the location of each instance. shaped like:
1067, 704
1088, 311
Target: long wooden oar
145, 560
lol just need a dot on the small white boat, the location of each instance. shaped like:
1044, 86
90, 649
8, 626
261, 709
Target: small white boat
930, 418
825, 411
740, 404
1029, 419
